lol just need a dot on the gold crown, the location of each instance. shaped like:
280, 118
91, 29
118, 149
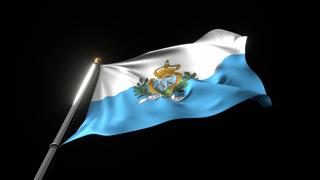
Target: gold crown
166, 70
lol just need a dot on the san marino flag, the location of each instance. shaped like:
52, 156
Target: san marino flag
193, 80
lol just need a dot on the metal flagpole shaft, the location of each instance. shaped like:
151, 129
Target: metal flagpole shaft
57, 141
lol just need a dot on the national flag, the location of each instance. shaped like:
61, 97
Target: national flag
193, 80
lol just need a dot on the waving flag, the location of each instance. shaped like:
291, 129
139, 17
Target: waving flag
185, 81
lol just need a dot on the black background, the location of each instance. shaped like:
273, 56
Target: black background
58, 45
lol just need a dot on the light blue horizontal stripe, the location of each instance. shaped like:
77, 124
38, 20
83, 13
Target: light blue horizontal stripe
233, 83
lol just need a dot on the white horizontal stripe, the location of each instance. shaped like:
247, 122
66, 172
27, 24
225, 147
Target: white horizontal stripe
202, 57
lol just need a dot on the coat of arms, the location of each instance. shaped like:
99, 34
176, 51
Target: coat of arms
168, 83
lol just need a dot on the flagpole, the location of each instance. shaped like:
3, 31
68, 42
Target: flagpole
53, 147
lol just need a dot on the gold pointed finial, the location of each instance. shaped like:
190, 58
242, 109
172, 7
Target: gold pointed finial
97, 60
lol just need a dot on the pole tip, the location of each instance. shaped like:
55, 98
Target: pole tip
97, 60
